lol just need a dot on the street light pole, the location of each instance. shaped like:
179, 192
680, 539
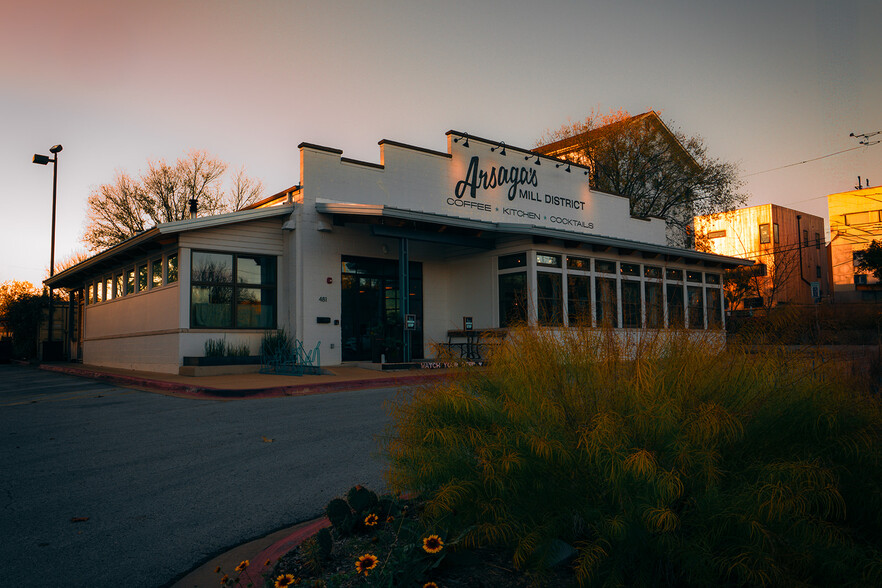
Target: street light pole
43, 160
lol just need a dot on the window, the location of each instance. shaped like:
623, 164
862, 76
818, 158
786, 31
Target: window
712, 278
805, 242
630, 304
142, 277
579, 263
817, 240
655, 312
510, 261
99, 292
120, 288
818, 271
171, 269
604, 267
860, 279
629, 269
693, 277
764, 233
579, 300
156, 273
606, 303
90, 299
696, 307
775, 233
714, 309
674, 274
548, 288
512, 299
675, 306
130, 281
652, 271
545, 260
108, 288
232, 291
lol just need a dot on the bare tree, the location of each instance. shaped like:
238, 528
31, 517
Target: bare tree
126, 206
664, 173
766, 281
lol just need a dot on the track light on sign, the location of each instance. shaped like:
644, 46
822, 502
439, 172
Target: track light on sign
465, 143
500, 146
530, 157
564, 163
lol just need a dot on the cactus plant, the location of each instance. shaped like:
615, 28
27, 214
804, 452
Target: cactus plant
340, 516
325, 543
361, 499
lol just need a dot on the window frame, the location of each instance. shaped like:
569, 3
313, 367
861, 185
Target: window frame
235, 285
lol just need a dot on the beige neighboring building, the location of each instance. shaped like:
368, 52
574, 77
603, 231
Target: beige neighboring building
854, 223
787, 245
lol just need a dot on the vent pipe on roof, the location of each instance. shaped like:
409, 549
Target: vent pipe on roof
193, 207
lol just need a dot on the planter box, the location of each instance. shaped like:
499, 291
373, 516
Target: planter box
212, 361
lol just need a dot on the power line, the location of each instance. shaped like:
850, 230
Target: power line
806, 161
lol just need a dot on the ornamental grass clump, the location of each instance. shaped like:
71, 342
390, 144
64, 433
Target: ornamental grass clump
667, 459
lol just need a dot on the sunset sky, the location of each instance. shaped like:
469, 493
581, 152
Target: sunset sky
117, 83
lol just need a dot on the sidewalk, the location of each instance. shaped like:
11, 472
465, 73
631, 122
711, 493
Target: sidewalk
229, 387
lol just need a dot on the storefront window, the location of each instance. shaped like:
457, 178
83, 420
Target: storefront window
674, 274
652, 271
108, 288
120, 285
512, 261
630, 304
545, 260
233, 291
512, 299
130, 281
714, 309
579, 300
655, 310
602, 266
550, 295
630, 269
696, 307
579, 263
606, 303
675, 307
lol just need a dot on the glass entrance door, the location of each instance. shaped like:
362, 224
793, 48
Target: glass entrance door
370, 317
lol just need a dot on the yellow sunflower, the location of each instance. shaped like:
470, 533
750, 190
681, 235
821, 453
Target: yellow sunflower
243, 565
371, 520
284, 580
365, 563
432, 544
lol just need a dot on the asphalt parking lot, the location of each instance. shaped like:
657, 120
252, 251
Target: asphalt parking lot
108, 486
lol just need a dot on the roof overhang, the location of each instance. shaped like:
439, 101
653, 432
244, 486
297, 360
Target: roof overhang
154, 240
488, 231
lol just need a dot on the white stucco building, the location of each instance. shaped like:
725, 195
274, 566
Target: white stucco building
485, 231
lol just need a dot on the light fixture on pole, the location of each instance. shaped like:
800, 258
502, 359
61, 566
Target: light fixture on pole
43, 160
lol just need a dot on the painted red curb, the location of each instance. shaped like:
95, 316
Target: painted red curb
227, 394
274, 552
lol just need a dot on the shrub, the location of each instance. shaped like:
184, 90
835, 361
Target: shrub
220, 348
274, 342
663, 460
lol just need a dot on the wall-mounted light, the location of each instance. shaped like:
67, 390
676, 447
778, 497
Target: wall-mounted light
530, 157
465, 143
563, 163
500, 146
